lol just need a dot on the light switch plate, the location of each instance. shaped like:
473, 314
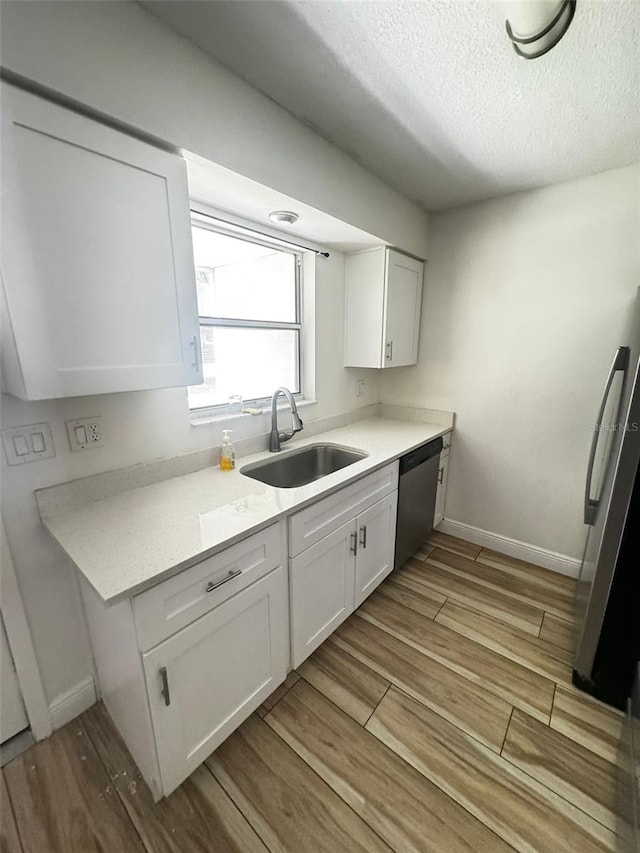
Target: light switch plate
85, 433
28, 443
360, 388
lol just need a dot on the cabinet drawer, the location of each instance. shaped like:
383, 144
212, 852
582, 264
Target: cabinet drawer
173, 604
312, 524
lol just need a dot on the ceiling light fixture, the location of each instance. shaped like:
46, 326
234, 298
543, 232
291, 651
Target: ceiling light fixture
536, 26
283, 217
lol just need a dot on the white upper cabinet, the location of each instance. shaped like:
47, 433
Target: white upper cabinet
383, 299
96, 257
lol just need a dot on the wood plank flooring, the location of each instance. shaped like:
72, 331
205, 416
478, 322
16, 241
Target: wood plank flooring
9, 840
62, 798
557, 631
439, 717
491, 788
199, 816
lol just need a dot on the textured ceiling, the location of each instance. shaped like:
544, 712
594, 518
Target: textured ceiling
429, 95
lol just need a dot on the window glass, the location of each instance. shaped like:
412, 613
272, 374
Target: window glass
241, 280
248, 302
250, 362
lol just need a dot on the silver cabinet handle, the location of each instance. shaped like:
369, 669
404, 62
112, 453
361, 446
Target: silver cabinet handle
620, 362
165, 685
363, 536
389, 351
215, 584
354, 543
440, 474
195, 343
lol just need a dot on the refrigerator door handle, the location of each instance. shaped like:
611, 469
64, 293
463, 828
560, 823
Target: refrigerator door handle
620, 362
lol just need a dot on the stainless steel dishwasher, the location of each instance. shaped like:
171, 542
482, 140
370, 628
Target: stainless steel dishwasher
416, 498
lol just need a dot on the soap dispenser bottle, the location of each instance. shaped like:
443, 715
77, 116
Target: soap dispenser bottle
227, 453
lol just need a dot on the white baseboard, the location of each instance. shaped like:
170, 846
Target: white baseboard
71, 704
560, 563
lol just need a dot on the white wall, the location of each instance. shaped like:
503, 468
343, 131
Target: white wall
117, 58
526, 299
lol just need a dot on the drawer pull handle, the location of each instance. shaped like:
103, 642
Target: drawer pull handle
440, 474
165, 685
215, 584
363, 536
354, 543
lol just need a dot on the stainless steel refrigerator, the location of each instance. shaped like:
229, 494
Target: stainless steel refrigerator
608, 594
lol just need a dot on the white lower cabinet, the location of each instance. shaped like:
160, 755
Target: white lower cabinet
182, 664
206, 679
334, 576
441, 491
376, 545
322, 590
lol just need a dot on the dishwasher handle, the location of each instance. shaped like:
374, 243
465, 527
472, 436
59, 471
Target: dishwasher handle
419, 455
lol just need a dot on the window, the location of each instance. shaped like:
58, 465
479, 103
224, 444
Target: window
249, 307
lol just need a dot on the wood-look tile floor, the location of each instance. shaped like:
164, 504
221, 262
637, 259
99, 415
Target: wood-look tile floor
439, 717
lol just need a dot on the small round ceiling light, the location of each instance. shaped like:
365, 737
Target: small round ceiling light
283, 217
536, 26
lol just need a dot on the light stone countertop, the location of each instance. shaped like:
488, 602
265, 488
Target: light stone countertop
128, 542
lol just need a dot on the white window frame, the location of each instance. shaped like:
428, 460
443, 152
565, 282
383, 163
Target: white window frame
210, 223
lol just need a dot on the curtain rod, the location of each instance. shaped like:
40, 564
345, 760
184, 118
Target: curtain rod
232, 225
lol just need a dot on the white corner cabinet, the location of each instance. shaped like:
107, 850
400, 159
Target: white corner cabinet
340, 549
443, 475
382, 308
96, 257
182, 664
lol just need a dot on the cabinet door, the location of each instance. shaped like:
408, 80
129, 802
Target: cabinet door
402, 310
441, 492
322, 582
376, 545
206, 679
97, 261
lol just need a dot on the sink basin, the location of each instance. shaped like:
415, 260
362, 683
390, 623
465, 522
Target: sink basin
300, 467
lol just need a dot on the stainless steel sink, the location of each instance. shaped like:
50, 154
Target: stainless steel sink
300, 467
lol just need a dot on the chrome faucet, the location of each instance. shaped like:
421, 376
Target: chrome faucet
277, 437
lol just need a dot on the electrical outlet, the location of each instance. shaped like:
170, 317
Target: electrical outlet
360, 388
85, 433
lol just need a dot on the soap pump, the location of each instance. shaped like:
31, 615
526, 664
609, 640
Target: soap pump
227, 453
